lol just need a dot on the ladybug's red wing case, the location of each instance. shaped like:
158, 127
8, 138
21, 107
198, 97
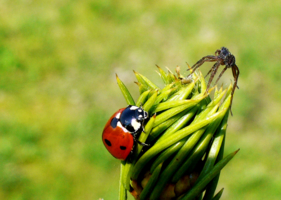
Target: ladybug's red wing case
117, 141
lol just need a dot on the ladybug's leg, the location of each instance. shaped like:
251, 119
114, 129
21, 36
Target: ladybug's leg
142, 128
143, 144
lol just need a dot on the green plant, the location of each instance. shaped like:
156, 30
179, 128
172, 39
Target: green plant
186, 133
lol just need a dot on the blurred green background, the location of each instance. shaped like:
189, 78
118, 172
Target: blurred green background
58, 61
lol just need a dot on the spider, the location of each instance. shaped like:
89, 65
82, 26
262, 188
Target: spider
222, 57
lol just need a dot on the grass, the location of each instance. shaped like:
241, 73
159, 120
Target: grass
57, 88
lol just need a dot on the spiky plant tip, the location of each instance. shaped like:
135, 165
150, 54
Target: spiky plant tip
183, 161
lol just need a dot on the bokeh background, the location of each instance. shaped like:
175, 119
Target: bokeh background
58, 61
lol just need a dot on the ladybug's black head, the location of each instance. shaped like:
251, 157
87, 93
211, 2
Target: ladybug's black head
133, 118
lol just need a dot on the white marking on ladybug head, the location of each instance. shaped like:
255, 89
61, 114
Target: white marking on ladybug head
135, 124
139, 110
118, 116
140, 116
145, 115
133, 107
123, 128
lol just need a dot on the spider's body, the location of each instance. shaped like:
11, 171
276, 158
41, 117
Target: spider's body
225, 57
221, 57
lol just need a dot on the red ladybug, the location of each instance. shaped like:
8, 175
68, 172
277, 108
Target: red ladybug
121, 130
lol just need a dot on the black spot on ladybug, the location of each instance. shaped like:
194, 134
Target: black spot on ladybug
113, 122
107, 142
123, 147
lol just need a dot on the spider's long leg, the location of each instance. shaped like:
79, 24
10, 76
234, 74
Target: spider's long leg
201, 62
235, 72
224, 69
214, 71
217, 52
209, 72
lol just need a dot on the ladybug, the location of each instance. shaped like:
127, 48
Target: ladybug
121, 130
